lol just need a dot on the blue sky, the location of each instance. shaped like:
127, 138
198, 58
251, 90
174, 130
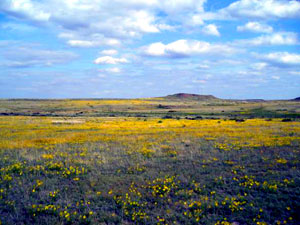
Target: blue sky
145, 48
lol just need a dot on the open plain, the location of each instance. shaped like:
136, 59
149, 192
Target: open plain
172, 160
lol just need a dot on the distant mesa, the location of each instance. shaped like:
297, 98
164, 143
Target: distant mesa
296, 99
192, 97
254, 100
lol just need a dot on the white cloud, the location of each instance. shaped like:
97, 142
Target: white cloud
31, 55
84, 23
199, 81
67, 35
155, 49
110, 60
110, 70
295, 73
25, 8
166, 27
92, 43
81, 43
259, 66
196, 20
280, 38
109, 52
256, 27
276, 77
17, 27
211, 29
281, 58
184, 48
264, 9
176, 6
171, 6
113, 70
111, 42
204, 66
142, 21
102, 75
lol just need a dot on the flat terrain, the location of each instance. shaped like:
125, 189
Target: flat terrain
149, 161
152, 107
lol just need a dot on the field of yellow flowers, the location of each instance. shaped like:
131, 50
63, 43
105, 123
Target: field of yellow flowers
120, 170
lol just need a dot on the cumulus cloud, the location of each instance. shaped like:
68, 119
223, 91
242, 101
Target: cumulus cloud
259, 66
211, 29
110, 60
25, 9
255, 27
113, 70
280, 38
281, 58
196, 20
93, 43
118, 19
81, 43
170, 7
166, 27
90, 43
83, 23
154, 49
185, 48
114, 29
109, 52
262, 9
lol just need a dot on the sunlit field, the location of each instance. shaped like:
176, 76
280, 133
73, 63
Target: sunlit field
104, 170
149, 112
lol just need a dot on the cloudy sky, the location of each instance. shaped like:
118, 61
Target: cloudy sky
143, 48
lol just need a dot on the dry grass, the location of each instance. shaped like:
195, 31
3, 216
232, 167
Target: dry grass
68, 121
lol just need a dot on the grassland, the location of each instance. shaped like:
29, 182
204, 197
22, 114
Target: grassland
205, 162
152, 107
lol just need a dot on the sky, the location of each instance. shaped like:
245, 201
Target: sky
232, 49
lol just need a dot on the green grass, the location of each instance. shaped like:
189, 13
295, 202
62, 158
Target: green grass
235, 185
153, 108
186, 180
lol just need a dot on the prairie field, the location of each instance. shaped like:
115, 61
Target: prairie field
149, 112
192, 167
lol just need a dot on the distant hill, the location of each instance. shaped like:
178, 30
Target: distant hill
296, 99
185, 96
254, 100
